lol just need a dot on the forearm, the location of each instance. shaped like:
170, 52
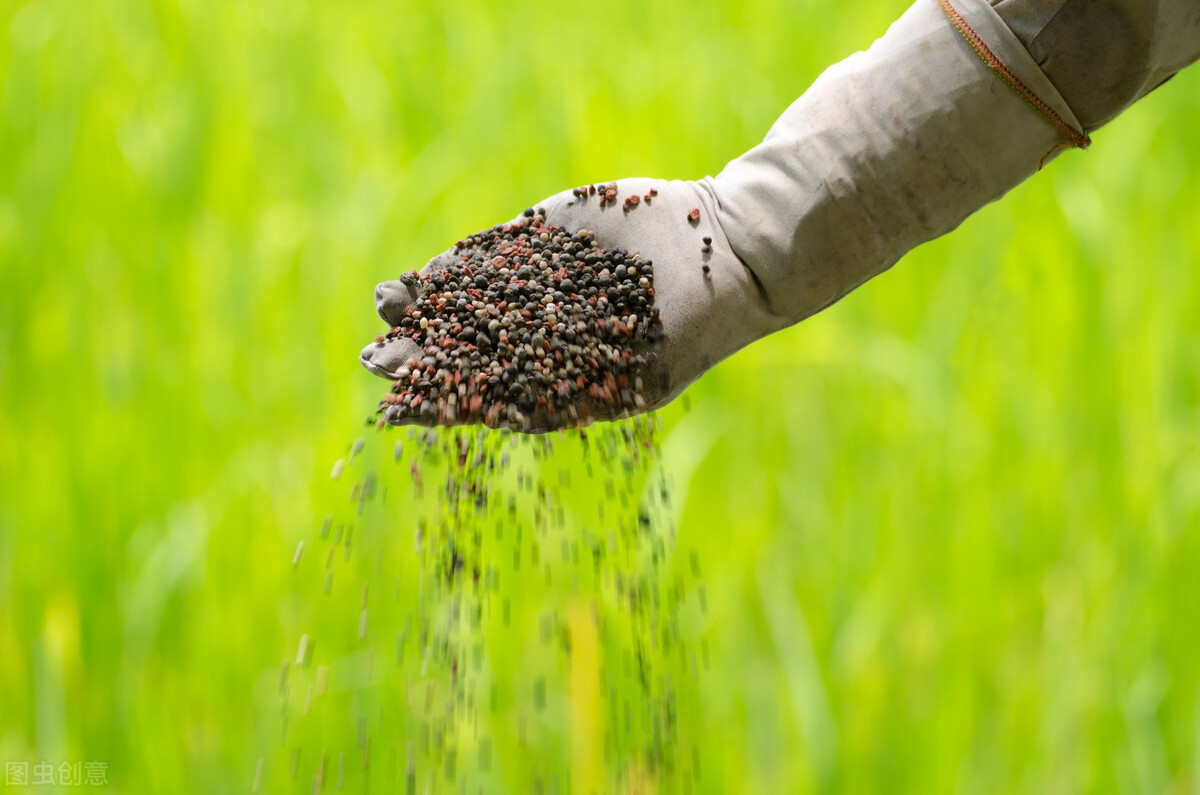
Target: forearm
888, 149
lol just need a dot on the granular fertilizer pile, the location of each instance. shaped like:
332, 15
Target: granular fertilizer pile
493, 612
526, 326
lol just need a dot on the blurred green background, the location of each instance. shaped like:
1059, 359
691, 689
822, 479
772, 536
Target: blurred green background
950, 528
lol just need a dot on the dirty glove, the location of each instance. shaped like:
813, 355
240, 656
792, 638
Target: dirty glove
709, 303
886, 150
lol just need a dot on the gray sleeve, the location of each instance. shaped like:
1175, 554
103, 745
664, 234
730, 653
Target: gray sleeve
1104, 55
956, 104
890, 148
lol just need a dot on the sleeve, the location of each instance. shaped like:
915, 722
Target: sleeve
1104, 55
890, 148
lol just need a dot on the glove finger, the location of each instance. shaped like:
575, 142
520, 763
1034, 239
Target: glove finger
427, 417
393, 297
429, 414
384, 359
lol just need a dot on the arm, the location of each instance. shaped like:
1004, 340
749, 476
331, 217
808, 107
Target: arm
887, 149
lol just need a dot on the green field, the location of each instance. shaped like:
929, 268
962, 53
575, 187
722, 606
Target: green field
949, 529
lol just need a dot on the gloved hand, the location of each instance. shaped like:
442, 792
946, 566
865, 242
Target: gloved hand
888, 149
709, 302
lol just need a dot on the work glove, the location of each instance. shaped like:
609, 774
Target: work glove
709, 303
886, 150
